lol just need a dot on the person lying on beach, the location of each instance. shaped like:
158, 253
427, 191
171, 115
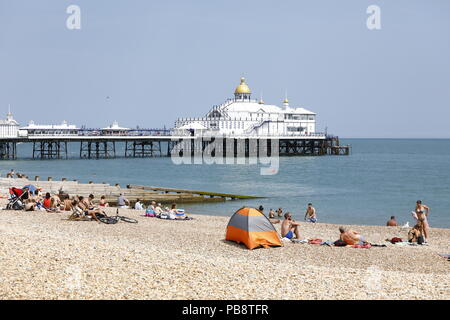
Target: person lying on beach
351, 237
289, 227
392, 222
310, 214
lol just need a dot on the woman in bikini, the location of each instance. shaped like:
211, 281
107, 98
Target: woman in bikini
422, 212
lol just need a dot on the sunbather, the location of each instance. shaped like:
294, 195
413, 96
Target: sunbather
351, 237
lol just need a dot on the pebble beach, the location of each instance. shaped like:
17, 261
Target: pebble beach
45, 256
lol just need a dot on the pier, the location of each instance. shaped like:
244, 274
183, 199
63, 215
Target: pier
161, 143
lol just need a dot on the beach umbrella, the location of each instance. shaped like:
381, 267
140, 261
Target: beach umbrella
30, 187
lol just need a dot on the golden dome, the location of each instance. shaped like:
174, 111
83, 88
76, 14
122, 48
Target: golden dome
242, 88
286, 100
261, 101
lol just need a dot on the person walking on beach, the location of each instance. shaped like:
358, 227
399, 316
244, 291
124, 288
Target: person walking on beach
351, 237
421, 214
310, 214
392, 222
289, 227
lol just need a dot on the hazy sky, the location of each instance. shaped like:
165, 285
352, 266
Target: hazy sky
159, 60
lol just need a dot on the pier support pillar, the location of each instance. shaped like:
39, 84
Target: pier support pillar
141, 149
49, 149
8, 150
97, 149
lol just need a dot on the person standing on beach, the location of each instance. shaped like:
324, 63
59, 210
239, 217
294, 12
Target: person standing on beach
310, 214
289, 227
392, 222
422, 211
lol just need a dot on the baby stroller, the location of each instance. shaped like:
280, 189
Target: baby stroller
15, 199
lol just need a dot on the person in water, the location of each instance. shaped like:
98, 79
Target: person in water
310, 214
351, 237
392, 222
289, 227
421, 212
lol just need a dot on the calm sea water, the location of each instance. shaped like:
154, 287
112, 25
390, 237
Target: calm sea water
382, 177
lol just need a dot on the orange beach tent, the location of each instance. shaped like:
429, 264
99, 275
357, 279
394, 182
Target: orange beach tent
251, 227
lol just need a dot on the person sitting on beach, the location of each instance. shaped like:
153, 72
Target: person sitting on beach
90, 201
310, 214
102, 202
123, 202
173, 211
138, 205
415, 233
158, 209
30, 205
47, 202
67, 203
289, 227
351, 237
392, 222
80, 211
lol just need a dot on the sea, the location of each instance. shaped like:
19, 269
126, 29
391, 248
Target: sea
381, 178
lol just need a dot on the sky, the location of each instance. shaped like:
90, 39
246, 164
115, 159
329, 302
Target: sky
146, 63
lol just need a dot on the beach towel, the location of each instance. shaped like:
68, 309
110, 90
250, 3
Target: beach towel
362, 246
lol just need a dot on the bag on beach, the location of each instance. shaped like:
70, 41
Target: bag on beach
340, 243
396, 239
420, 240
